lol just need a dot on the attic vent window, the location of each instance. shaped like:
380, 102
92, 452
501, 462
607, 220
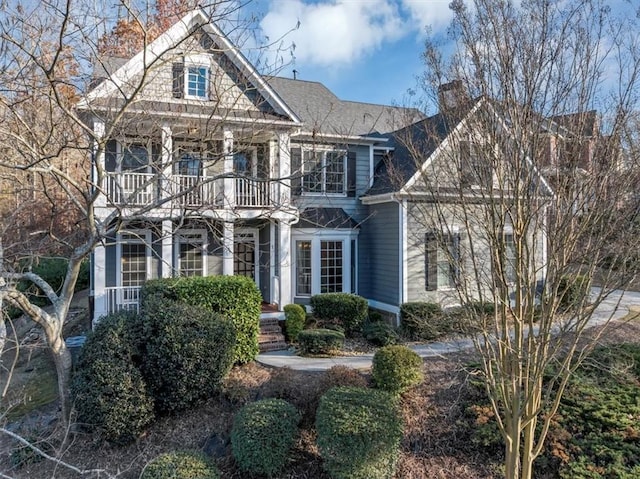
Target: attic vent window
191, 81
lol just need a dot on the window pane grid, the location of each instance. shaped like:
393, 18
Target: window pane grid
134, 264
197, 82
191, 260
323, 172
303, 268
330, 266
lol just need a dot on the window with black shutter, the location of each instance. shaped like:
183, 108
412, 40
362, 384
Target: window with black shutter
442, 260
178, 80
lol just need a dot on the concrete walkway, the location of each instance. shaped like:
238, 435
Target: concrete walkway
615, 306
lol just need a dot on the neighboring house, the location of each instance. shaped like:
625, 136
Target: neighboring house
215, 169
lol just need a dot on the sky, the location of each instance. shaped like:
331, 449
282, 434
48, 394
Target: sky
362, 50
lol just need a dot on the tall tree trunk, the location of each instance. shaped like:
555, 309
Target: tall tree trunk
62, 361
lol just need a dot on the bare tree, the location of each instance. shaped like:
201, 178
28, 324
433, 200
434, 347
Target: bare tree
522, 193
57, 138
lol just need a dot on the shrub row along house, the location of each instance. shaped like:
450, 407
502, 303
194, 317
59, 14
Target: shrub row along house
209, 168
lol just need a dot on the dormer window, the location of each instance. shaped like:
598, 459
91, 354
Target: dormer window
191, 81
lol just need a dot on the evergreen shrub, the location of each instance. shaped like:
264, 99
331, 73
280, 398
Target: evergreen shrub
396, 369
320, 341
348, 310
359, 433
107, 388
235, 298
181, 465
188, 351
423, 321
263, 433
295, 317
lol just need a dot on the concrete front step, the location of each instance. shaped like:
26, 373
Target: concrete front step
273, 346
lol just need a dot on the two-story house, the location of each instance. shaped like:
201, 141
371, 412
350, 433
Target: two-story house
210, 168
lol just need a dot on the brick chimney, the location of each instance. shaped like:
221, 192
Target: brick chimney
452, 95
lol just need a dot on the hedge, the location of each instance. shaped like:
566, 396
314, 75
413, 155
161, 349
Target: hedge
424, 321
108, 389
236, 298
359, 433
263, 433
350, 310
320, 341
187, 353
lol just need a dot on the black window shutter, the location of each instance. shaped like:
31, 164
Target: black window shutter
110, 155
431, 262
296, 171
466, 174
454, 244
351, 173
178, 80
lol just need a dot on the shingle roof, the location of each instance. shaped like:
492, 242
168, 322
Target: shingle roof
423, 136
323, 112
325, 218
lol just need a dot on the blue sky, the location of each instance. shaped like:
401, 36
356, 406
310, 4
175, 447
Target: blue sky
362, 50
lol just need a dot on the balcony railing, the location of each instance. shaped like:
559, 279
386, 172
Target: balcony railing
123, 298
197, 191
254, 193
140, 189
135, 189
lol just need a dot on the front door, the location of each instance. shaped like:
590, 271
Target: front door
244, 255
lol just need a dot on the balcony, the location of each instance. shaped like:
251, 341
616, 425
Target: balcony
123, 299
190, 191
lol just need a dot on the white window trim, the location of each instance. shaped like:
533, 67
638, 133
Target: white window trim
141, 237
324, 150
197, 61
181, 237
451, 230
120, 147
315, 237
253, 232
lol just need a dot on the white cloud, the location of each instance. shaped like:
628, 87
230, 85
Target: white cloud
432, 13
334, 32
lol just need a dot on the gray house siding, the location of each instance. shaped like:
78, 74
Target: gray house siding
379, 254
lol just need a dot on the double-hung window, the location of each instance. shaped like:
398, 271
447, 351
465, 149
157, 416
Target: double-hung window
509, 266
324, 172
442, 260
197, 79
191, 247
191, 80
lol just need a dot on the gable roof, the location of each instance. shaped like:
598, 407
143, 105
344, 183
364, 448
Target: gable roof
170, 40
395, 170
323, 112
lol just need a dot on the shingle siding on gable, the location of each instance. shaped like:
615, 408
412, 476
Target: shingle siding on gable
379, 254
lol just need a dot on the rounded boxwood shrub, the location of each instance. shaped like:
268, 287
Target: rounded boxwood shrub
396, 369
320, 341
423, 321
107, 388
262, 435
187, 354
234, 298
295, 317
359, 433
348, 310
180, 465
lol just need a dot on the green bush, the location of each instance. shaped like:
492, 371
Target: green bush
424, 321
263, 433
396, 369
380, 333
295, 317
180, 465
320, 341
108, 389
187, 353
573, 291
359, 433
349, 310
236, 298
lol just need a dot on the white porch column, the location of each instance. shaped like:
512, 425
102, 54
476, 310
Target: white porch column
98, 159
98, 265
229, 181
227, 248
166, 157
285, 260
167, 249
284, 166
